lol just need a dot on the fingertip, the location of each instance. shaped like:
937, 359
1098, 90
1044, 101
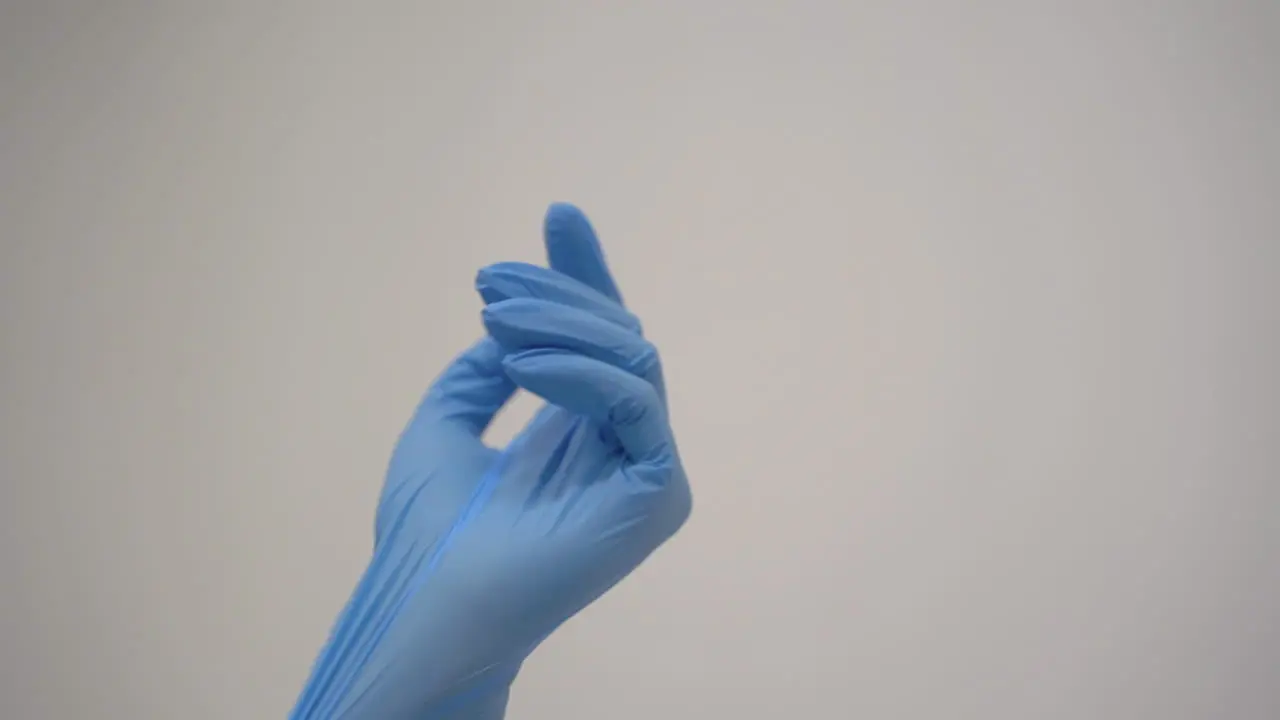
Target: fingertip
508, 309
499, 281
485, 284
573, 248
506, 268
500, 320
522, 366
560, 214
492, 317
567, 232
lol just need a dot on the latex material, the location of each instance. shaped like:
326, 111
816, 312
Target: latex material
480, 553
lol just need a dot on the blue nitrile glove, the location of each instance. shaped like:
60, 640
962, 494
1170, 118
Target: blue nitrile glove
479, 553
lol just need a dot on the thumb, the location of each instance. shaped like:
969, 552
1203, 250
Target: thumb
470, 391
612, 397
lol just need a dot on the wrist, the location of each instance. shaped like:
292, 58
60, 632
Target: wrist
481, 696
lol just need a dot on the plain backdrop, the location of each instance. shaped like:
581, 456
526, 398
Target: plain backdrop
969, 312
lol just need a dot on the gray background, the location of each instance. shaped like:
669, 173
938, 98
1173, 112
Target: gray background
968, 311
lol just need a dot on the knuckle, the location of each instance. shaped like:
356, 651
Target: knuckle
647, 359
628, 409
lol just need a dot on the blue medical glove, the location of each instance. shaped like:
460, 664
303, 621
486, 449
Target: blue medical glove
479, 553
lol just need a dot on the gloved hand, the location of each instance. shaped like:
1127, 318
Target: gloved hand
480, 554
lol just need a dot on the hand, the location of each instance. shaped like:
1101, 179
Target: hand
481, 553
